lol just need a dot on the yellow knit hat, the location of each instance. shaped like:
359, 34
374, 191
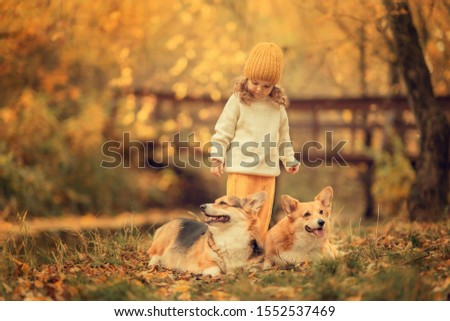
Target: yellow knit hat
264, 62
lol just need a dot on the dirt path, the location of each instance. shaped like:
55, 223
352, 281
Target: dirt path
90, 222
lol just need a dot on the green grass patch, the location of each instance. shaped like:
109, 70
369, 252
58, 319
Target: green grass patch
405, 262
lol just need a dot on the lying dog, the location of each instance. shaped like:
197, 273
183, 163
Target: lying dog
303, 233
229, 240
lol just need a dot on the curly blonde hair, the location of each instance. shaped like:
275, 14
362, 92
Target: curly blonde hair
277, 94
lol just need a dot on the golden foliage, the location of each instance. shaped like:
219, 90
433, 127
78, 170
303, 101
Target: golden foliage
394, 176
61, 60
199, 47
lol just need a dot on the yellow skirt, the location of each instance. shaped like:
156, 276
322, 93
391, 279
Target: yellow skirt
241, 185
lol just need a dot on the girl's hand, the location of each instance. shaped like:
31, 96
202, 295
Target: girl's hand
294, 170
217, 168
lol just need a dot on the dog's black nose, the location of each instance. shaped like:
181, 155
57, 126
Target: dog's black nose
203, 207
321, 223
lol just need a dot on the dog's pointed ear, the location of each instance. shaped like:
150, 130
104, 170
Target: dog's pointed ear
235, 201
325, 197
289, 204
253, 202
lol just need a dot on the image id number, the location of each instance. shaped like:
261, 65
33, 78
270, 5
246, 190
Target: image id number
295, 310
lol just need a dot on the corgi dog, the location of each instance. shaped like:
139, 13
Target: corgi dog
303, 234
227, 240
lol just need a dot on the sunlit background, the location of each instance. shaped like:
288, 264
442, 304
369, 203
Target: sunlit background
77, 74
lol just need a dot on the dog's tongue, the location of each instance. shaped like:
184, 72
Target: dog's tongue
319, 232
221, 219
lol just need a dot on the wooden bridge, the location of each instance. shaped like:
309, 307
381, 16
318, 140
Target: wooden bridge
365, 124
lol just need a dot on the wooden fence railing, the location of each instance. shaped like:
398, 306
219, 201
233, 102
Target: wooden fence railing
364, 123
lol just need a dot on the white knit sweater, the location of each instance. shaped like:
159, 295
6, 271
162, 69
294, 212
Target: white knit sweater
252, 139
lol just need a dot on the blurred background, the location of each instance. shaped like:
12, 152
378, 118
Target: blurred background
75, 75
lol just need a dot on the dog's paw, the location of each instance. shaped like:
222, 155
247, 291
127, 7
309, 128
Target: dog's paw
154, 261
267, 265
212, 271
254, 268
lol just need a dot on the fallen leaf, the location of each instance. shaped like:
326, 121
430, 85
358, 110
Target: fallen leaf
22, 268
38, 284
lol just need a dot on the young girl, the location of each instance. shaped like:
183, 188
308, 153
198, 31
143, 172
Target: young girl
252, 133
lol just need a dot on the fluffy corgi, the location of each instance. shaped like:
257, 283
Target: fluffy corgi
228, 240
303, 234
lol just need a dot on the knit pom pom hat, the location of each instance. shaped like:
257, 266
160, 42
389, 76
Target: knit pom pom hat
264, 62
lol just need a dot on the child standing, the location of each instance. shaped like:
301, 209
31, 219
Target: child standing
252, 133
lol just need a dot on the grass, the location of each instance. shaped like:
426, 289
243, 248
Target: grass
401, 261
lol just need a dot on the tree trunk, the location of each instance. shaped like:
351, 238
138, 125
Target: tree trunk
428, 196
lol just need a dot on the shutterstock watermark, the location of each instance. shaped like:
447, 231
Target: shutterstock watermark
186, 151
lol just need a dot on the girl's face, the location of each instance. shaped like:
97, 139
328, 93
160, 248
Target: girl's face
259, 89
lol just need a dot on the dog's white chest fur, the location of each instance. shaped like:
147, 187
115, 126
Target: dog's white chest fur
234, 248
